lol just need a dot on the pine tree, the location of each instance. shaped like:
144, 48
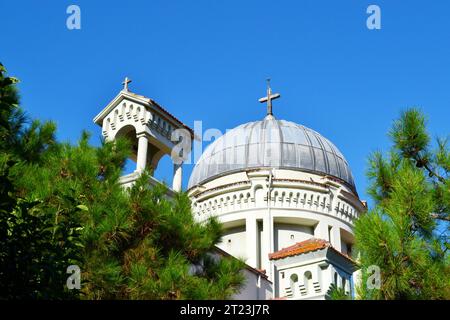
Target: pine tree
406, 234
62, 205
137, 244
154, 249
34, 251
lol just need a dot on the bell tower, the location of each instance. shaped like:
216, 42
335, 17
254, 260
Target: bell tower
153, 131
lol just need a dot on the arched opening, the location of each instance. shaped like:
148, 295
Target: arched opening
293, 284
259, 195
164, 170
307, 280
129, 133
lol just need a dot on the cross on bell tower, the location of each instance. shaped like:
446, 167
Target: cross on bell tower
269, 98
125, 83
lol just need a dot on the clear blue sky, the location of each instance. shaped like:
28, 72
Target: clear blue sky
208, 60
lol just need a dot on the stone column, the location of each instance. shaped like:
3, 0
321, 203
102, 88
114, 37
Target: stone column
142, 152
251, 239
267, 245
177, 177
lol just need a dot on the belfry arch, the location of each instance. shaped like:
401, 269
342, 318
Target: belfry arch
149, 128
129, 132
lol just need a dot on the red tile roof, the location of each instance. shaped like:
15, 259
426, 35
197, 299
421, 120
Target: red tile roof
309, 245
306, 246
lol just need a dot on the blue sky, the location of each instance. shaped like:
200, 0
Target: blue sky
208, 60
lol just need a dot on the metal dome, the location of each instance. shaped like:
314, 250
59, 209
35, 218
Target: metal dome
274, 144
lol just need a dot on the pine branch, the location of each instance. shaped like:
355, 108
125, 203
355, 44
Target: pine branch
442, 217
431, 172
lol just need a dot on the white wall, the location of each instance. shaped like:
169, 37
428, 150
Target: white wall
289, 234
256, 288
291, 211
233, 242
284, 284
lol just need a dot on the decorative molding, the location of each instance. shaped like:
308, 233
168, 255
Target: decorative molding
238, 196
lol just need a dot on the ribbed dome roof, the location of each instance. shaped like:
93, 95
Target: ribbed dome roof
274, 144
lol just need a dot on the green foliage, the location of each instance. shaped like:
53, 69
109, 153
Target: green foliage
409, 134
37, 240
406, 233
336, 293
152, 244
62, 204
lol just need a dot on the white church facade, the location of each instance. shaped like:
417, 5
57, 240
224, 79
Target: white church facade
284, 194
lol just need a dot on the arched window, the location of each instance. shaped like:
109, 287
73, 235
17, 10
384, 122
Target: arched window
294, 282
307, 280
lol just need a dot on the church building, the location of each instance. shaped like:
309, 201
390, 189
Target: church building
284, 194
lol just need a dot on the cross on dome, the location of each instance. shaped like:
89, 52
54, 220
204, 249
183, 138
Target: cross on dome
269, 98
